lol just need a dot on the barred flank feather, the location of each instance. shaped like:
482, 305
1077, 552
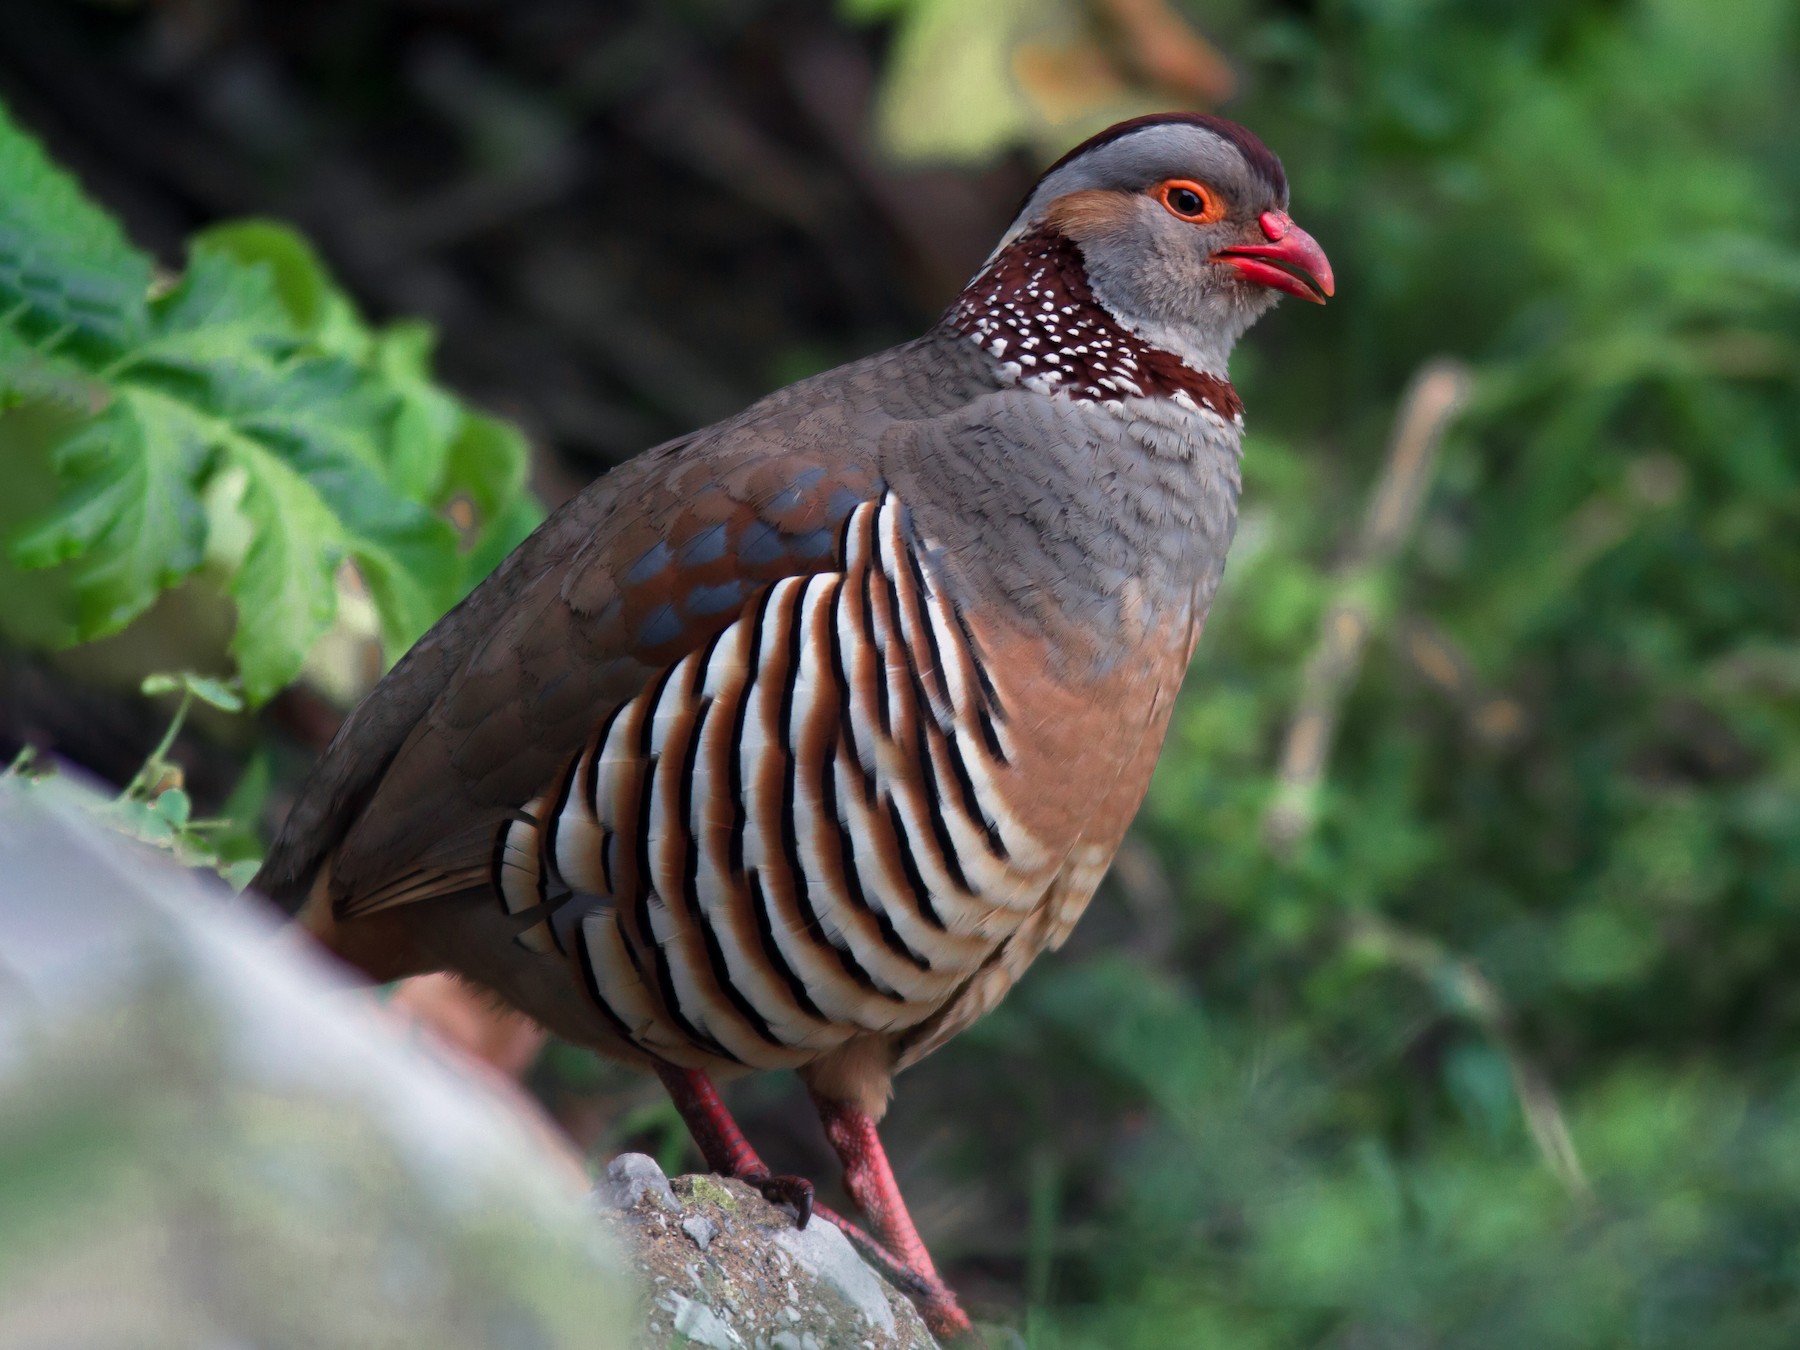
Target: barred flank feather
798, 833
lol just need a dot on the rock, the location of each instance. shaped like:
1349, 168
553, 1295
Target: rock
223, 1144
760, 1282
701, 1325
828, 1255
632, 1177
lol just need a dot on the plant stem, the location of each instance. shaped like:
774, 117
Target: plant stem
1438, 392
154, 764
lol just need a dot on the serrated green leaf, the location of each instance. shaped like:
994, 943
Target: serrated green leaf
245, 417
220, 317
405, 603
28, 375
286, 590
318, 310
427, 420
322, 413
66, 271
36, 608
131, 509
487, 463
324, 420
500, 537
15, 354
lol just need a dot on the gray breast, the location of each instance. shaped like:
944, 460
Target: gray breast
1073, 514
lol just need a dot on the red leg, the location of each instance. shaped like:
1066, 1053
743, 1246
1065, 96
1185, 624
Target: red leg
870, 1181
723, 1145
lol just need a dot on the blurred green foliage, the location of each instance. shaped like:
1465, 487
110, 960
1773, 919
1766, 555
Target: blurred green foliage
1568, 772
240, 418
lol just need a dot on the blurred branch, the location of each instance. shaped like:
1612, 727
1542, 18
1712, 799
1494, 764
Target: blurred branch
1168, 54
1496, 719
1472, 994
1436, 395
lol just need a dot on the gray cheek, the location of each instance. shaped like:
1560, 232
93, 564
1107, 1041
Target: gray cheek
1171, 281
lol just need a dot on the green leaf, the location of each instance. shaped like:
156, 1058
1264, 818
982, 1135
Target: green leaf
241, 873
220, 317
242, 812
174, 806
36, 609
141, 821
948, 94
318, 310
501, 536
66, 271
26, 373
427, 420
214, 693
245, 419
286, 589
487, 464
208, 690
410, 592
324, 420
130, 509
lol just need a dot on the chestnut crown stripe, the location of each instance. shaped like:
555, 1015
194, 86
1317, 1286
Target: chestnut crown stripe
1033, 310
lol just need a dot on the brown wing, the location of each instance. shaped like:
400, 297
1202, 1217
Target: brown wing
640, 569
643, 567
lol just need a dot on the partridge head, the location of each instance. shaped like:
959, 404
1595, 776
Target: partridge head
1183, 231
793, 742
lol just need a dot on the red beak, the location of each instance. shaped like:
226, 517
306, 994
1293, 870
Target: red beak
1291, 261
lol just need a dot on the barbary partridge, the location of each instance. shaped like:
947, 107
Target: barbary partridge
791, 743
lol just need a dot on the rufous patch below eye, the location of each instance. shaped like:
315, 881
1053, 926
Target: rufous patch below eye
1190, 201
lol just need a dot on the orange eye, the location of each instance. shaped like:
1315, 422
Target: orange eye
1187, 200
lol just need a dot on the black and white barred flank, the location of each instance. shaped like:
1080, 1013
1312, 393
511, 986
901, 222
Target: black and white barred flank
798, 833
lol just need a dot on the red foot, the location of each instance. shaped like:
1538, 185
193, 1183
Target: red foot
784, 1190
897, 1251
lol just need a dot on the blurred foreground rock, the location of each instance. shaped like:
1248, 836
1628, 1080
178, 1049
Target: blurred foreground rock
721, 1267
209, 1140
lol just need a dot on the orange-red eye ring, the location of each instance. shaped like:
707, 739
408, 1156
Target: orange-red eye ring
1175, 193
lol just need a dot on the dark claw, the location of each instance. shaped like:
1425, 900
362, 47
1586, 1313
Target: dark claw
795, 1191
